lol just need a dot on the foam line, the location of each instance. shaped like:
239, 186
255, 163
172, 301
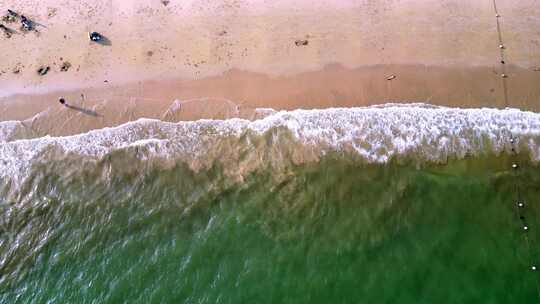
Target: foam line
376, 134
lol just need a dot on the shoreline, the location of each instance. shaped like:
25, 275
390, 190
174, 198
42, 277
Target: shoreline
380, 135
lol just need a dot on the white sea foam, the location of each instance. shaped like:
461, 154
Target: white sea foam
13, 130
377, 134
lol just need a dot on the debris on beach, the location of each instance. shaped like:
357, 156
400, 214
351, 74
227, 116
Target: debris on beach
301, 42
42, 71
65, 66
95, 36
7, 31
391, 77
51, 12
16, 70
10, 16
149, 53
222, 33
537, 69
165, 2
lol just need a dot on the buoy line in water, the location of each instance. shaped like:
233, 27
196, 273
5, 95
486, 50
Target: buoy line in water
520, 204
521, 212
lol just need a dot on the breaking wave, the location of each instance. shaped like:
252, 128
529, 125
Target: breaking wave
13, 130
377, 134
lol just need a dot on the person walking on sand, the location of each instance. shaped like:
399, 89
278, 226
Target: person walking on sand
62, 101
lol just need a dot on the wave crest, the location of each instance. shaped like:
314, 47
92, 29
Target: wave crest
374, 134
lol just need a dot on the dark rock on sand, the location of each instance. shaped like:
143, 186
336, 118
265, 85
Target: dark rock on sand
301, 42
95, 36
99, 38
42, 71
65, 66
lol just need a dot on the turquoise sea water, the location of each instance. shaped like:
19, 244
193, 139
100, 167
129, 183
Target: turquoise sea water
332, 232
335, 230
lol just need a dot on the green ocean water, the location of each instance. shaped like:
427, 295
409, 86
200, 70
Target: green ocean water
333, 231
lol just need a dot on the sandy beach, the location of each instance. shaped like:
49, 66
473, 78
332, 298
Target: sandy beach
223, 59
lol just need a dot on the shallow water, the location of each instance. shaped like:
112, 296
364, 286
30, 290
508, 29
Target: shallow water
123, 227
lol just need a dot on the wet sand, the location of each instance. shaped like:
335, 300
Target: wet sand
226, 58
238, 94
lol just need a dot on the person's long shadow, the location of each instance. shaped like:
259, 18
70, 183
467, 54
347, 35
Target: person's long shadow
84, 111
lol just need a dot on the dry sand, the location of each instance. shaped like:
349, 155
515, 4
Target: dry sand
228, 57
